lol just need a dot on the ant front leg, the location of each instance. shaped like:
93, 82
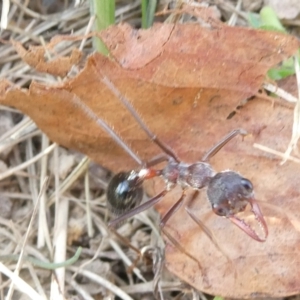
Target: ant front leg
216, 148
202, 226
166, 218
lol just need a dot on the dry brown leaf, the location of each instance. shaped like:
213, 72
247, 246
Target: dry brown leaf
173, 83
189, 56
185, 84
35, 57
255, 269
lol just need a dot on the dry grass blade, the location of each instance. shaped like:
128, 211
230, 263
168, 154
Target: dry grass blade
296, 124
43, 231
20, 284
24, 165
4, 14
60, 244
20, 132
19, 264
102, 281
280, 92
85, 295
277, 153
67, 183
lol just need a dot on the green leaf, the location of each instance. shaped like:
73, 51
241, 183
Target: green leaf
218, 298
280, 73
254, 20
270, 20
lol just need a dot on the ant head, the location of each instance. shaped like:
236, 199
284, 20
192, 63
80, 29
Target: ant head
229, 193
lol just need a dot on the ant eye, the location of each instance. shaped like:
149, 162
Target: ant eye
247, 184
221, 211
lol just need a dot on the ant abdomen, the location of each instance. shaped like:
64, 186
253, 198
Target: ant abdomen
229, 193
124, 192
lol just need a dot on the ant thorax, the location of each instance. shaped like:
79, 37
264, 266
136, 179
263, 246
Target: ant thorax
196, 176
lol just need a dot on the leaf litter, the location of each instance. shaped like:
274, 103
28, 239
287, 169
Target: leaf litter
160, 86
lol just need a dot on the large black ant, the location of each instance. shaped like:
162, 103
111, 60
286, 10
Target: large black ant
228, 192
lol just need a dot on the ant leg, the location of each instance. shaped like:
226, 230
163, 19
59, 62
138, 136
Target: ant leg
206, 230
156, 160
216, 148
108, 129
172, 211
157, 255
165, 219
131, 268
137, 209
138, 119
125, 241
203, 227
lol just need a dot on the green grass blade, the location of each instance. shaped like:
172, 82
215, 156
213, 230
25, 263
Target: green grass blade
148, 12
42, 264
104, 10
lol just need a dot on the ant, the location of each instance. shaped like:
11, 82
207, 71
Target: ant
228, 192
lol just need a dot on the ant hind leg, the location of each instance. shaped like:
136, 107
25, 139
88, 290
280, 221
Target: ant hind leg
138, 209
